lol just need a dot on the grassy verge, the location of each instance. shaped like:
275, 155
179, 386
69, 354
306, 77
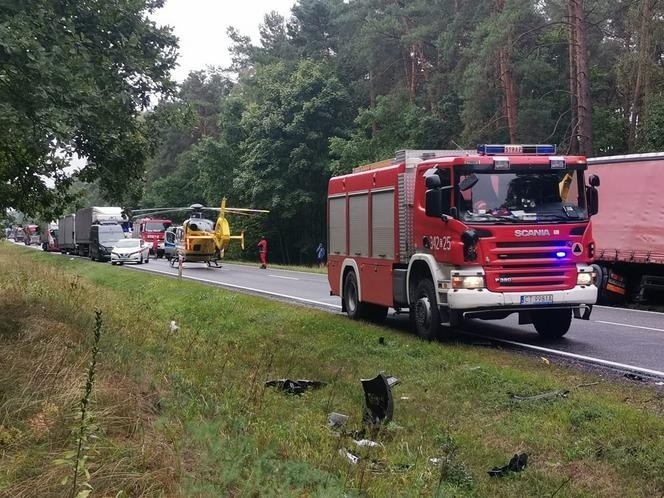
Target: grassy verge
186, 413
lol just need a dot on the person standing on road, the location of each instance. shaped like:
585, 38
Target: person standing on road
320, 255
262, 251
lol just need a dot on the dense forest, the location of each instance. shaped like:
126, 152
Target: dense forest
343, 82
340, 83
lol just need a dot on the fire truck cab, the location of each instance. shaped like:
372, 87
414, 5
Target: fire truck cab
451, 235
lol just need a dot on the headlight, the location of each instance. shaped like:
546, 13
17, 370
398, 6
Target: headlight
472, 282
585, 278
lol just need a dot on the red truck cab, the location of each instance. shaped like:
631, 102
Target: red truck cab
152, 231
453, 235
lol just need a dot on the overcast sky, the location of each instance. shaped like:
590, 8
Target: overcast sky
201, 27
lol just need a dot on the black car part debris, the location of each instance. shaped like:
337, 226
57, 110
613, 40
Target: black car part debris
539, 397
517, 463
379, 405
635, 377
295, 386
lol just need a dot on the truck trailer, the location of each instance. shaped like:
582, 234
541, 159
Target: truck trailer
452, 235
67, 234
629, 229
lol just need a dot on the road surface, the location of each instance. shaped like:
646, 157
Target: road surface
619, 338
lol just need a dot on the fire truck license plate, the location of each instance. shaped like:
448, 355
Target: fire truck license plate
539, 299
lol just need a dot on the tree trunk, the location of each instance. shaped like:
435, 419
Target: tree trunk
641, 84
510, 105
583, 81
574, 120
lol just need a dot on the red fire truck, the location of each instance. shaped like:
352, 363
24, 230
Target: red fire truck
152, 230
451, 235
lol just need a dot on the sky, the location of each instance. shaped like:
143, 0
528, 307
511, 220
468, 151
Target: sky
201, 27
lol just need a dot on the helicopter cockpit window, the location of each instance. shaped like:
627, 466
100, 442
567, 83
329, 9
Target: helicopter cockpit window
201, 225
516, 196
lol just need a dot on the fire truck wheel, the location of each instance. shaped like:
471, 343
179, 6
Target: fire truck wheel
552, 324
424, 311
354, 307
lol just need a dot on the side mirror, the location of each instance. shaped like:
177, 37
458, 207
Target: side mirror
437, 202
592, 199
433, 181
593, 180
468, 182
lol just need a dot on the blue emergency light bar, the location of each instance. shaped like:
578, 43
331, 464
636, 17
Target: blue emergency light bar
540, 150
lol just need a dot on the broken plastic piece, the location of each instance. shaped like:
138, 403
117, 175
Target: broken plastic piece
336, 420
517, 463
349, 456
634, 377
368, 443
379, 405
542, 396
295, 386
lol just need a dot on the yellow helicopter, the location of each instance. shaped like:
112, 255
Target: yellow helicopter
200, 239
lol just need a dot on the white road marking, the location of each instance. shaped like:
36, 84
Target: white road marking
259, 291
627, 309
281, 276
574, 356
625, 325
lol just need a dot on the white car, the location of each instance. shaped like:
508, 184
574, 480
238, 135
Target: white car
130, 251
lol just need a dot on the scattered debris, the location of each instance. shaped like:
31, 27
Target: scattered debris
378, 398
381, 341
295, 386
404, 398
435, 461
336, 420
174, 326
542, 396
353, 459
659, 383
635, 377
545, 360
517, 463
367, 443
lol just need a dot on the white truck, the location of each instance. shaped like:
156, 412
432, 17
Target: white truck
92, 231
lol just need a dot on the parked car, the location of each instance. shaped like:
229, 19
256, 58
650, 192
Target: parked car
130, 251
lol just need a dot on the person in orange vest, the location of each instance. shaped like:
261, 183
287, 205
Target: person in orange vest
262, 251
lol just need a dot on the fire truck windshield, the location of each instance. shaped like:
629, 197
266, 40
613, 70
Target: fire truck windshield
529, 196
156, 226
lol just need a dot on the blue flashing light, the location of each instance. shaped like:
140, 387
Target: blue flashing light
540, 150
561, 254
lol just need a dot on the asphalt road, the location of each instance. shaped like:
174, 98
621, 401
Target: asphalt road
615, 337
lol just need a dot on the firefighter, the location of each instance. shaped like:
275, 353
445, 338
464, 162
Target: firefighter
262, 251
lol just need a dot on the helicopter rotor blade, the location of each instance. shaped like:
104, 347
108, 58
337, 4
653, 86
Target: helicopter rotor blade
148, 210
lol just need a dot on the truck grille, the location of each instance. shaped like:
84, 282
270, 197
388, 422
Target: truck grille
529, 266
524, 252
530, 279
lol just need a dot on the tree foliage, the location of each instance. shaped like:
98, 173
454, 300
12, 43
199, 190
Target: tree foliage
74, 76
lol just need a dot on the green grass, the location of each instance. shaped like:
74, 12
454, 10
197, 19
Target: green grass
187, 413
